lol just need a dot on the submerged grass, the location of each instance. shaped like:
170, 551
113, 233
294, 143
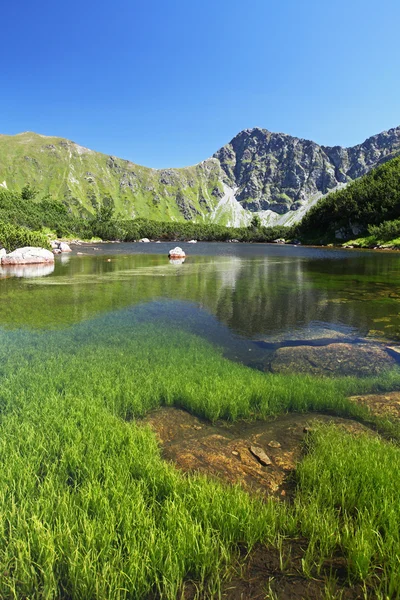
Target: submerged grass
88, 509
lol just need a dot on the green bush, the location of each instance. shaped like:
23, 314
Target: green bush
368, 201
13, 236
389, 230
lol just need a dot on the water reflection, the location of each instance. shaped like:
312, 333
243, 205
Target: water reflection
27, 271
260, 293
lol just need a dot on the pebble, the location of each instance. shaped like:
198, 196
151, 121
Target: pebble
260, 455
274, 444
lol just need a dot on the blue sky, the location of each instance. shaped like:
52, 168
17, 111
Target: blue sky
167, 83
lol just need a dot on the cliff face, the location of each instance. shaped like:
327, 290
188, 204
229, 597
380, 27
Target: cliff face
275, 174
278, 172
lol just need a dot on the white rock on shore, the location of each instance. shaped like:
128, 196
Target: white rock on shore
28, 256
58, 246
3, 252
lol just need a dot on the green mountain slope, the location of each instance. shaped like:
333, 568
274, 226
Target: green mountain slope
367, 202
85, 179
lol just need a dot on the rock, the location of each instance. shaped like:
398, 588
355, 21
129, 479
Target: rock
394, 350
382, 405
158, 242
332, 359
176, 253
340, 234
61, 246
192, 242
56, 251
279, 241
64, 247
274, 444
144, 240
3, 252
235, 453
28, 256
260, 455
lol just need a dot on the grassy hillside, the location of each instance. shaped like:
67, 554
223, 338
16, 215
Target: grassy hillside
84, 180
365, 204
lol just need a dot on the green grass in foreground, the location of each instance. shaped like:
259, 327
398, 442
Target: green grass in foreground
88, 510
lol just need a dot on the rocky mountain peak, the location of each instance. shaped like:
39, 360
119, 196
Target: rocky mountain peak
279, 172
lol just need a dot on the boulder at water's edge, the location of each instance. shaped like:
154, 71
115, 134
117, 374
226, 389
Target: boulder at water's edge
28, 256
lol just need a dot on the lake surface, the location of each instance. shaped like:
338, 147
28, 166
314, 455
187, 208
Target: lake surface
249, 299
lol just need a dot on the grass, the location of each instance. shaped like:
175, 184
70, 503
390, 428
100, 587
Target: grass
88, 509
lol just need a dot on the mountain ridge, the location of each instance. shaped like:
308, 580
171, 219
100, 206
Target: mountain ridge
276, 175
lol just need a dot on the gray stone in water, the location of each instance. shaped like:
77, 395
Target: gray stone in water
261, 456
333, 359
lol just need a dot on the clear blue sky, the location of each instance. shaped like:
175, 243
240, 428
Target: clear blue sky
166, 83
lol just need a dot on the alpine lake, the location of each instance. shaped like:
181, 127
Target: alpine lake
224, 426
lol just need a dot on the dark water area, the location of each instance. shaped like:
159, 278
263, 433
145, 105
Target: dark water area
251, 299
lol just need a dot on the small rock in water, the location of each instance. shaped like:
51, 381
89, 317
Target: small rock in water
176, 252
235, 453
274, 444
260, 455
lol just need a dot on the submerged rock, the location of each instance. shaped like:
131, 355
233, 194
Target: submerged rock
274, 444
333, 359
28, 256
222, 450
382, 405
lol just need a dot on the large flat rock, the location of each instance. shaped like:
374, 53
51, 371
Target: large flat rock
28, 256
333, 359
223, 450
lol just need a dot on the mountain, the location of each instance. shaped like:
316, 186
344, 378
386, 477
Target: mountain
276, 175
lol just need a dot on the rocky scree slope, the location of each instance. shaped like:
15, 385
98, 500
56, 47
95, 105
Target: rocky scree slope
274, 174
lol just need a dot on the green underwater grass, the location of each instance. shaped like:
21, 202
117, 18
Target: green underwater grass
88, 509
